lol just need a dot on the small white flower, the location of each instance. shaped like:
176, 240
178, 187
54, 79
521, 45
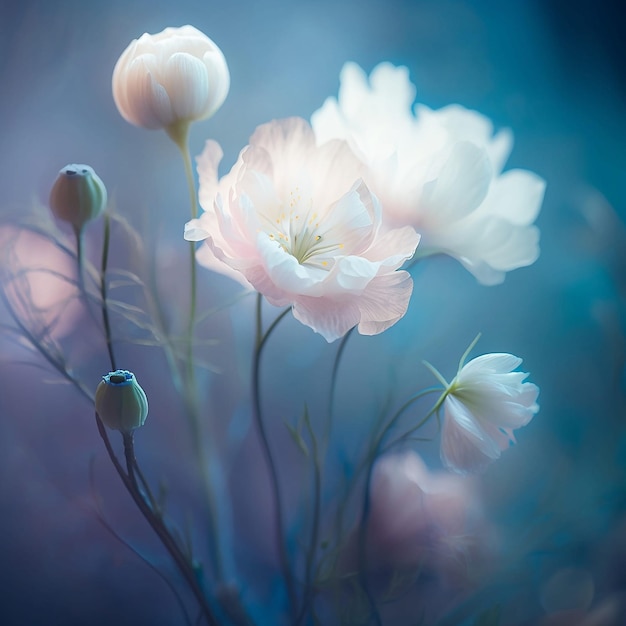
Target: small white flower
174, 77
439, 171
485, 402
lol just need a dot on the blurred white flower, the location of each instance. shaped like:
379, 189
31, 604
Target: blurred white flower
297, 223
439, 171
483, 405
421, 519
169, 79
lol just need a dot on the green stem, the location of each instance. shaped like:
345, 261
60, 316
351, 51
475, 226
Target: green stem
179, 134
375, 450
80, 260
261, 340
317, 503
130, 482
103, 290
333, 387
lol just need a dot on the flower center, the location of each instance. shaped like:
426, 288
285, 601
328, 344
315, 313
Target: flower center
300, 231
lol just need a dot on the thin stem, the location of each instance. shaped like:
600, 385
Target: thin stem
261, 340
317, 502
375, 450
80, 258
362, 542
333, 387
179, 134
103, 289
414, 398
155, 522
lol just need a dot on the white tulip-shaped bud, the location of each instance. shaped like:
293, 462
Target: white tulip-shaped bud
78, 195
170, 79
120, 401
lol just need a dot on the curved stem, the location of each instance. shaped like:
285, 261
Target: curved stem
155, 522
375, 450
362, 541
333, 387
315, 529
103, 290
261, 340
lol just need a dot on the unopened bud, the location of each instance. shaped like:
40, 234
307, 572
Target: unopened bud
78, 195
121, 403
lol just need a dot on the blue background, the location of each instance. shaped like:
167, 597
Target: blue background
552, 71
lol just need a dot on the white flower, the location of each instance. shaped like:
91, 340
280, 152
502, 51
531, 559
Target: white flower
419, 518
483, 405
295, 222
439, 171
174, 77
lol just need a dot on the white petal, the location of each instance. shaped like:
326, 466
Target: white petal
186, 82
515, 196
384, 302
194, 231
331, 319
207, 164
461, 185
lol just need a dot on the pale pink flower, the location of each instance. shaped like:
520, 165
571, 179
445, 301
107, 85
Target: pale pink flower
421, 519
485, 402
174, 77
439, 171
296, 222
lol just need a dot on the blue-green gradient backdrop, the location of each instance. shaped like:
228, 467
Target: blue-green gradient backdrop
551, 70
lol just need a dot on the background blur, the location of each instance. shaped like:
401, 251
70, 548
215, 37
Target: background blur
551, 70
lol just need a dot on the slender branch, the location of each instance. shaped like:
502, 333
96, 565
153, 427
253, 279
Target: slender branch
333, 387
103, 290
261, 340
317, 503
362, 541
130, 482
80, 257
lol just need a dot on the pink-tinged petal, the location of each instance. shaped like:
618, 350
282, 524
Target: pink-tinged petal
330, 318
384, 302
353, 274
302, 228
207, 163
394, 247
206, 257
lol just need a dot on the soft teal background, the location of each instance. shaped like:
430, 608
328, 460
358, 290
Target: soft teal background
552, 71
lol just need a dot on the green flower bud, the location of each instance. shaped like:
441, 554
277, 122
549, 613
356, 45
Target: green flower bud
78, 195
121, 403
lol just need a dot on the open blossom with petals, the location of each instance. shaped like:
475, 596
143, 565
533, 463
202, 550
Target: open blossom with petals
174, 77
440, 171
296, 222
483, 405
